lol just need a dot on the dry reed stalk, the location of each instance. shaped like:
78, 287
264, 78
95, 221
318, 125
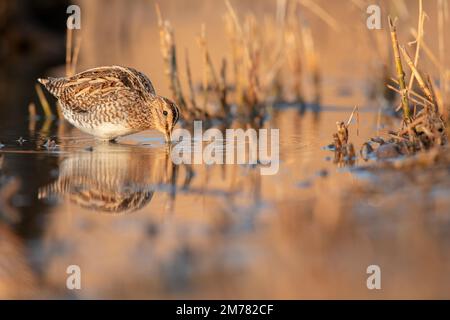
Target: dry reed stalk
312, 61
401, 8
378, 121
252, 62
223, 87
357, 121
273, 51
447, 98
76, 53
293, 51
32, 117
237, 33
210, 75
438, 105
413, 100
234, 18
194, 110
378, 40
342, 135
399, 69
69, 33
295, 64
168, 51
427, 50
72, 52
45, 129
443, 17
190, 82
205, 77
423, 86
246, 55
275, 39
236, 56
321, 13
418, 41
423, 130
411, 93
70, 67
43, 101
359, 4
355, 110
282, 6
344, 151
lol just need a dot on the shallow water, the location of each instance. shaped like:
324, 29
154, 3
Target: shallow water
140, 227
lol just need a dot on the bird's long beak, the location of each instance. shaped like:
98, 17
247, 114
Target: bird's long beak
169, 136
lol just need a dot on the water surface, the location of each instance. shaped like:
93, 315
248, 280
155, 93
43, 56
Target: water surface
140, 227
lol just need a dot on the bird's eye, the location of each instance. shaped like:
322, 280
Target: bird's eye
165, 113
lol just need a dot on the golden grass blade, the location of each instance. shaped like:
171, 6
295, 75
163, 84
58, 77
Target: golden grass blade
399, 69
427, 51
44, 102
68, 51
168, 51
190, 82
418, 41
417, 75
75, 56
234, 17
413, 100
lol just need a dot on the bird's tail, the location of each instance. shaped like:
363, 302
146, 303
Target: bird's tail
53, 85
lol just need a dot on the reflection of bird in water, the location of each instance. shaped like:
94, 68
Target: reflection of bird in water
110, 102
111, 178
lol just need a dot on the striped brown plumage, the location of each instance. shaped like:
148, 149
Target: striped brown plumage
109, 102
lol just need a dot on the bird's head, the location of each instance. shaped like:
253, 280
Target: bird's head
166, 115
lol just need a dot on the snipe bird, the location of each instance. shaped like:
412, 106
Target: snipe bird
113, 101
